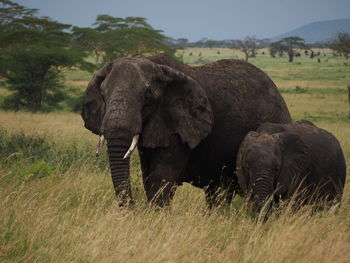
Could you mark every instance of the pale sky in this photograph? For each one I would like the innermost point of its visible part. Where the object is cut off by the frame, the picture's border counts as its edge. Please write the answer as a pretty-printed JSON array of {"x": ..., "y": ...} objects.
[{"x": 196, "y": 19}]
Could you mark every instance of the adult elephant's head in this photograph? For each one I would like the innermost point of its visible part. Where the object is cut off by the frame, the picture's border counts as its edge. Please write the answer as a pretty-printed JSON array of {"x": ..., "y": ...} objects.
[
  {"x": 133, "y": 98},
  {"x": 268, "y": 164}
]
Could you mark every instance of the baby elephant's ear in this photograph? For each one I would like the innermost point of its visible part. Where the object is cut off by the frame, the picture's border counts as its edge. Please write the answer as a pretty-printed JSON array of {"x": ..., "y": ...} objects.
[
  {"x": 242, "y": 176},
  {"x": 294, "y": 161},
  {"x": 242, "y": 180}
]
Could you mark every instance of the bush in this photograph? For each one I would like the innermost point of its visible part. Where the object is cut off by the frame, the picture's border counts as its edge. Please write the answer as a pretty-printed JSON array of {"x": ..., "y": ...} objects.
[
  {"x": 299, "y": 89},
  {"x": 39, "y": 169},
  {"x": 36, "y": 157}
]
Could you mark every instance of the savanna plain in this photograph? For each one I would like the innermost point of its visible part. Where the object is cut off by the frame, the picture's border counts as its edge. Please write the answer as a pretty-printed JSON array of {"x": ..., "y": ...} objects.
[{"x": 57, "y": 203}]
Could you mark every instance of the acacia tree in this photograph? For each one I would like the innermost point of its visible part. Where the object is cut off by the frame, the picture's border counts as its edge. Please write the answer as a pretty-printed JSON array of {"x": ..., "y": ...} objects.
[
  {"x": 10, "y": 11},
  {"x": 341, "y": 44},
  {"x": 114, "y": 37},
  {"x": 291, "y": 44},
  {"x": 248, "y": 46},
  {"x": 89, "y": 40},
  {"x": 33, "y": 52},
  {"x": 277, "y": 47}
]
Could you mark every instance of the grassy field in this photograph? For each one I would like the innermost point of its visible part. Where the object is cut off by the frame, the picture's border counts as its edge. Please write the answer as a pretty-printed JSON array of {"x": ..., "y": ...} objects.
[{"x": 57, "y": 203}]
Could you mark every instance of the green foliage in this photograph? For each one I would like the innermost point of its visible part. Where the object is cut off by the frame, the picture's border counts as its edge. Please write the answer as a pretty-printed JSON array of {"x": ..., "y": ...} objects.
[
  {"x": 38, "y": 170},
  {"x": 34, "y": 157},
  {"x": 34, "y": 50},
  {"x": 277, "y": 47},
  {"x": 89, "y": 40},
  {"x": 341, "y": 44},
  {"x": 115, "y": 37},
  {"x": 35, "y": 85},
  {"x": 106, "y": 23},
  {"x": 293, "y": 42},
  {"x": 75, "y": 100},
  {"x": 10, "y": 10}
]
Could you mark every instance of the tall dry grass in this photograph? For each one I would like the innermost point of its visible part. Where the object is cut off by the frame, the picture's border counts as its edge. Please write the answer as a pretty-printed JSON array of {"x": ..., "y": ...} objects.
[{"x": 70, "y": 215}]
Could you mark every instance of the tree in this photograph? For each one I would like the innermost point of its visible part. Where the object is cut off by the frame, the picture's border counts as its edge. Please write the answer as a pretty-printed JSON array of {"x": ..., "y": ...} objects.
[
  {"x": 277, "y": 47},
  {"x": 10, "y": 11},
  {"x": 89, "y": 40},
  {"x": 248, "y": 46},
  {"x": 115, "y": 37},
  {"x": 341, "y": 45},
  {"x": 291, "y": 44},
  {"x": 177, "y": 43},
  {"x": 287, "y": 44},
  {"x": 33, "y": 52},
  {"x": 312, "y": 55}
]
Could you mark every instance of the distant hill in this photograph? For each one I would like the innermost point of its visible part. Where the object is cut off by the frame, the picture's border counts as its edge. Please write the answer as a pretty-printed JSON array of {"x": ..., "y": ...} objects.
[{"x": 321, "y": 31}]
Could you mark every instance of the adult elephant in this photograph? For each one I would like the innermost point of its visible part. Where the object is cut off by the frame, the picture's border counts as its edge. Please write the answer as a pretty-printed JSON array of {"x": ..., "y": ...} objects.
[{"x": 188, "y": 122}]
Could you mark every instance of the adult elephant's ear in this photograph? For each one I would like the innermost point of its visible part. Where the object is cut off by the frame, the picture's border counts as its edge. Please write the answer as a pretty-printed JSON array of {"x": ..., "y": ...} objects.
[
  {"x": 184, "y": 109},
  {"x": 294, "y": 163},
  {"x": 93, "y": 108}
]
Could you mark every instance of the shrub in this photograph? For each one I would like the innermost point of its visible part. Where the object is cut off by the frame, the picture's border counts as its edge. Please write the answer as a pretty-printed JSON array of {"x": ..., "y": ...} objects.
[
  {"x": 299, "y": 89},
  {"x": 36, "y": 156}
]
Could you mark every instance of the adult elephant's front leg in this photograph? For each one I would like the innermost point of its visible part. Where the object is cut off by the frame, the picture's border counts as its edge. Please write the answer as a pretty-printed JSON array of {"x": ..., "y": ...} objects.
[{"x": 162, "y": 170}]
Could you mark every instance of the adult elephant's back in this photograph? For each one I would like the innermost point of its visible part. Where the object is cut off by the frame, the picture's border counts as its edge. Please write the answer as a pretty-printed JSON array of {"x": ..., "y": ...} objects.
[{"x": 240, "y": 92}]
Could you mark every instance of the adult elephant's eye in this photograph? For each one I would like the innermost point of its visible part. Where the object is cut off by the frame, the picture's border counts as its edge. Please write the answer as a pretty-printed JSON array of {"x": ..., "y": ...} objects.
[{"x": 151, "y": 95}]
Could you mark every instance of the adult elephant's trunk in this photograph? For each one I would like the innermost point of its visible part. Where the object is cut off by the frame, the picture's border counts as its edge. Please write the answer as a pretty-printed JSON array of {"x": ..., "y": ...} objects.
[{"x": 120, "y": 169}]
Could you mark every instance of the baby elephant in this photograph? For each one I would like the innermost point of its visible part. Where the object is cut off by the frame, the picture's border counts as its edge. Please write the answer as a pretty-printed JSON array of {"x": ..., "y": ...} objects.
[{"x": 279, "y": 160}]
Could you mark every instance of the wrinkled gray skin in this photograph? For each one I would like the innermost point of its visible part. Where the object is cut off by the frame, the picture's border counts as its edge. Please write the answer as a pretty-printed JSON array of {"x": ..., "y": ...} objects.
[
  {"x": 190, "y": 121},
  {"x": 282, "y": 159}
]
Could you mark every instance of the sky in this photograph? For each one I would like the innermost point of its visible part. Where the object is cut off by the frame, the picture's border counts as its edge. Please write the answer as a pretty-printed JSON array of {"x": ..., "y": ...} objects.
[{"x": 197, "y": 19}]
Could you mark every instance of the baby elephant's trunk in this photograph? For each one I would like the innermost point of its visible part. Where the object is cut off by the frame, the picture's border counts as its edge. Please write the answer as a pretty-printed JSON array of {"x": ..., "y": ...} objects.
[{"x": 262, "y": 190}]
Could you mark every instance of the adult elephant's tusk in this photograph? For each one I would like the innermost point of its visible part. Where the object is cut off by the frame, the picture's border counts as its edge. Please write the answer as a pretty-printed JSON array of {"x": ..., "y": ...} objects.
[
  {"x": 100, "y": 145},
  {"x": 132, "y": 146}
]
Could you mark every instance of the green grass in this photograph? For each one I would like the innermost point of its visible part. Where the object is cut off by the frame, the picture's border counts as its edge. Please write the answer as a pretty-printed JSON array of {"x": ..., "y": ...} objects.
[
  {"x": 57, "y": 202},
  {"x": 77, "y": 75},
  {"x": 331, "y": 72},
  {"x": 325, "y": 91}
]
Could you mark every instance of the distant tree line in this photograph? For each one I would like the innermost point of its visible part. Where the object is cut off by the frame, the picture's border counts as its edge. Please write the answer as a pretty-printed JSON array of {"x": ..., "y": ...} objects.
[
  {"x": 289, "y": 45},
  {"x": 209, "y": 43},
  {"x": 340, "y": 46}
]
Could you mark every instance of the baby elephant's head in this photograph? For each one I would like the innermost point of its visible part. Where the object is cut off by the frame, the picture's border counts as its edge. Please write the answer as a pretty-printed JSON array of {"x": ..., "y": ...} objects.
[{"x": 266, "y": 163}]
